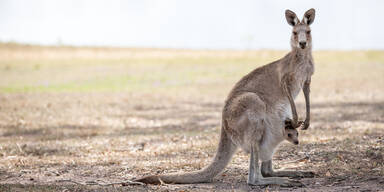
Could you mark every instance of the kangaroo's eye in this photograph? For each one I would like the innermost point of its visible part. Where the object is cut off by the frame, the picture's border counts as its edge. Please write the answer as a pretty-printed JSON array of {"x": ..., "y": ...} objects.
[
  {"x": 294, "y": 33},
  {"x": 297, "y": 134},
  {"x": 308, "y": 32},
  {"x": 289, "y": 135}
]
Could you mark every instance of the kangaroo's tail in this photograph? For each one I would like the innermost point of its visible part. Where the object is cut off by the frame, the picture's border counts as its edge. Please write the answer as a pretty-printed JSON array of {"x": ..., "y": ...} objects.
[{"x": 223, "y": 155}]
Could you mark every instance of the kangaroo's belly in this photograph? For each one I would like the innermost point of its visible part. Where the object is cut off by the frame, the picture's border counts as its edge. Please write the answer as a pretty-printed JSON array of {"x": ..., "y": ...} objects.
[
  {"x": 283, "y": 110},
  {"x": 301, "y": 75}
]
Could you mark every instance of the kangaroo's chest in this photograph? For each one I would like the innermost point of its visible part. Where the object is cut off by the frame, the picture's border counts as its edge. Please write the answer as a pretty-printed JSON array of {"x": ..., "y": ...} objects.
[
  {"x": 300, "y": 75},
  {"x": 297, "y": 85}
]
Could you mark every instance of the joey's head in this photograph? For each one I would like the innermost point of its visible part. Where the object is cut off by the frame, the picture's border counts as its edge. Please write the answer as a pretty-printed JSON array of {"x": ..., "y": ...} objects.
[
  {"x": 292, "y": 135},
  {"x": 301, "y": 38}
]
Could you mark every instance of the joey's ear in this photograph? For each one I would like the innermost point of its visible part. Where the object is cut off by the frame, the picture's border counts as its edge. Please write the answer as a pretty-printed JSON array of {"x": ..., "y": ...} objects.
[
  {"x": 291, "y": 17},
  {"x": 309, "y": 16}
]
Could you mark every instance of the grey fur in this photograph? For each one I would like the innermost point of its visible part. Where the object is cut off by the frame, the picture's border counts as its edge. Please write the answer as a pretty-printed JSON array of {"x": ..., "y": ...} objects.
[{"x": 255, "y": 112}]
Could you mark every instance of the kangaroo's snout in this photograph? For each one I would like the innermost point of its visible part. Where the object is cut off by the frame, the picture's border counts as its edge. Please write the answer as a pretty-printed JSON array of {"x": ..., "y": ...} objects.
[
  {"x": 296, "y": 142},
  {"x": 302, "y": 44}
]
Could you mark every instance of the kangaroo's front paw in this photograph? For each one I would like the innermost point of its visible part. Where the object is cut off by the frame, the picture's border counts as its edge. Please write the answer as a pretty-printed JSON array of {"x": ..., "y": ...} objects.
[{"x": 305, "y": 125}]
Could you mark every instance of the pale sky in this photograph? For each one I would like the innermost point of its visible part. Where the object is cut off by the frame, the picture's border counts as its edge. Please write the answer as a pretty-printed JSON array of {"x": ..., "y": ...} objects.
[{"x": 197, "y": 24}]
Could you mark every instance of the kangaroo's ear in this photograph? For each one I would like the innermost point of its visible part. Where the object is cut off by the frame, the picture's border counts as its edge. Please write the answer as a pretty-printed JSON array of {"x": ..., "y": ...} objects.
[
  {"x": 291, "y": 17},
  {"x": 309, "y": 16}
]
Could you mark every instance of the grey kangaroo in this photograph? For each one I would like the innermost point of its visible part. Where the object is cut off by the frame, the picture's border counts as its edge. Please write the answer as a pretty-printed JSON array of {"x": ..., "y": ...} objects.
[{"x": 259, "y": 113}]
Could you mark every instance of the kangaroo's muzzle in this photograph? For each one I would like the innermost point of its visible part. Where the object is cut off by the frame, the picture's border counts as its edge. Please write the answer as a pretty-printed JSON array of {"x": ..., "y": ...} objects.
[{"x": 302, "y": 44}]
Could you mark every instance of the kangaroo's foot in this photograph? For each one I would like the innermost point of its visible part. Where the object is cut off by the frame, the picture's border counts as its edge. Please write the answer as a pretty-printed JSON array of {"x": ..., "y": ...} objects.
[
  {"x": 255, "y": 177},
  {"x": 267, "y": 171},
  {"x": 281, "y": 181},
  {"x": 292, "y": 174}
]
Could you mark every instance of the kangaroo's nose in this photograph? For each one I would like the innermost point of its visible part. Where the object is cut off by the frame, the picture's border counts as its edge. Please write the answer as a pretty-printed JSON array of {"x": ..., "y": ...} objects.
[
  {"x": 296, "y": 142},
  {"x": 303, "y": 44}
]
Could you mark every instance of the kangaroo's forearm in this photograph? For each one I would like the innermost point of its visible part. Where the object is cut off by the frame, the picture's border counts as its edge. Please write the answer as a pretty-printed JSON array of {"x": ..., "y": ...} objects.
[
  {"x": 287, "y": 92},
  {"x": 306, "y": 90}
]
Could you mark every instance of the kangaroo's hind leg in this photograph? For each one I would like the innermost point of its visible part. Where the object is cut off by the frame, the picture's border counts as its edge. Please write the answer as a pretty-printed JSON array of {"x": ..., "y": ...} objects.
[
  {"x": 255, "y": 129},
  {"x": 255, "y": 177},
  {"x": 267, "y": 170}
]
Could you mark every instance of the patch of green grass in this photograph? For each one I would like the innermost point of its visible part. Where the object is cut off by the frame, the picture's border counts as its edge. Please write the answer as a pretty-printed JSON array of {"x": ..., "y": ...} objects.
[{"x": 69, "y": 69}]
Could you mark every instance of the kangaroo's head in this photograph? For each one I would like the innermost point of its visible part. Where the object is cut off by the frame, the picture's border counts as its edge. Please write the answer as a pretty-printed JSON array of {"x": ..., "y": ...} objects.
[
  {"x": 292, "y": 135},
  {"x": 301, "y": 34}
]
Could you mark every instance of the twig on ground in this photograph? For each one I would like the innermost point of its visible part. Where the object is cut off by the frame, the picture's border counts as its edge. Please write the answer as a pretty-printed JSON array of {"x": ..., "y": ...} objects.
[
  {"x": 162, "y": 182},
  {"x": 296, "y": 160},
  {"x": 69, "y": 180},
  {"x": 103, "y": 183},
  {"x": 20, "y": 149}
]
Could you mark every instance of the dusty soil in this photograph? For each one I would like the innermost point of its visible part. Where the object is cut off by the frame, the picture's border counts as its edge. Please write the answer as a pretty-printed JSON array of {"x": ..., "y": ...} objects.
[{"x": 110, "y": 137}]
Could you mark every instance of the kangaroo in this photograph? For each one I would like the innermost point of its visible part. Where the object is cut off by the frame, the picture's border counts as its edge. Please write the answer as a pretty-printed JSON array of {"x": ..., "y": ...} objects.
[
  {"x": 290, "y": 133},
  {"x": 257, "y": 112}
]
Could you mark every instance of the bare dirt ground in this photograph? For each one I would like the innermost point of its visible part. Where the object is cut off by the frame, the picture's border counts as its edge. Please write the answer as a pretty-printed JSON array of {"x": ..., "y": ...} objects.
[{"x": 59, "y": 134}]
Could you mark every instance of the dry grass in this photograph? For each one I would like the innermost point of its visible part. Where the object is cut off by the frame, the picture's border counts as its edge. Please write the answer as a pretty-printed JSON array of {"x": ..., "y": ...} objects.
[{"x": 114, "y": 114}]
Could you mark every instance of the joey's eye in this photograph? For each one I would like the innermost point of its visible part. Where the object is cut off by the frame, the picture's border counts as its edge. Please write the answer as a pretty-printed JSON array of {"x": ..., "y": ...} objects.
[
  {"x": 308, "y": 32},
  {"x": 289, "y": 135},
  {"x": 297, "y": 134},
  {"x": 294, "y": 33}
]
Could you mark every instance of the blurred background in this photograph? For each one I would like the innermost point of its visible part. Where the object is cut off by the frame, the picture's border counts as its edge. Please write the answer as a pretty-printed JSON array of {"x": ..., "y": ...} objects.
[
  {"x": 216, "y": 24},
  {"x": 97, "y": 90}
]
